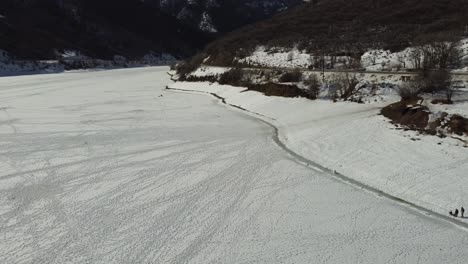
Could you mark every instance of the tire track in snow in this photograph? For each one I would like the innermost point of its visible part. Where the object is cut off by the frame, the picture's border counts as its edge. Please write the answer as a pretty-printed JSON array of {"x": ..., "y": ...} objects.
[{"x": 329, "y": 172}]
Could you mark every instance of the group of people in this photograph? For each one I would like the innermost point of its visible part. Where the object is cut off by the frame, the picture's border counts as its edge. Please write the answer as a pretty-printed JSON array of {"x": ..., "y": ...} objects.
[{"x": 455, "y": 214}]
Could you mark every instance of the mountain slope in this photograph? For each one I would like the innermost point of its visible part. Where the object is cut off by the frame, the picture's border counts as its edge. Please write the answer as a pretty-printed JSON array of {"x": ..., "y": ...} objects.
[
  {"x": 39, "y": 29},
  {"x": 223, "y": 15},
  {"x": 345, "y": 26}
]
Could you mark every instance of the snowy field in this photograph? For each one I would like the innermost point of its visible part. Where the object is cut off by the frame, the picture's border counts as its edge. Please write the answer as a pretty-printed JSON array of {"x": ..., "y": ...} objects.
[{"x": 108, "y": 167}]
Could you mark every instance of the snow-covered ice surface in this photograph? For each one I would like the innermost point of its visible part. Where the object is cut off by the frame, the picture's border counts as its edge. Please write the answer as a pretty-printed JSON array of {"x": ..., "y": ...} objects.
[
  {"x": 107, "y": 167},
  {"x": 354, "y": 140}
]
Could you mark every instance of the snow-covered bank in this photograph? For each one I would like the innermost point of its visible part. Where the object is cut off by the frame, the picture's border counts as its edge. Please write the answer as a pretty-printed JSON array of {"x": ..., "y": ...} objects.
[
  {"x": 357, "y": 142},
  {"x": 372, "y": 60},
  {"x": 12, "y": 68},
  {"x": 73, "y": 60}
]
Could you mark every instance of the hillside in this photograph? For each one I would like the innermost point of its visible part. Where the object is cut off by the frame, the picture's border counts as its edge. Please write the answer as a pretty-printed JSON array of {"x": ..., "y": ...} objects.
[
  {"x": 39, "y": 29},
  {"x": 221, "y": 16},
  {"x": 348, "y": 27}
]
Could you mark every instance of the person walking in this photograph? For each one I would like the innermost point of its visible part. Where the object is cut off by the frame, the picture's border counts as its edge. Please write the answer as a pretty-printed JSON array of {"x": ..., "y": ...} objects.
[
  {"x": 463, "y": 212},
  {"x": 456, "y": 213}
]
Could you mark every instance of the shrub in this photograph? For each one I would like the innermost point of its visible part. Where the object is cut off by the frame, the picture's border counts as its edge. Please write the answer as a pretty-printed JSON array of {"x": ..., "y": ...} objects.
[
  {"x": 435, "y": 80},
  {"x": 232, "y": 77},
  {"x": 208, "y": 78},
  {"x": 458, "y": 125},
  {"x": 275, "y": 89},
  {"x": 293, "y": 76},
  {"x": 184, "y": 68},
  {"x": 411, "y": 90}
]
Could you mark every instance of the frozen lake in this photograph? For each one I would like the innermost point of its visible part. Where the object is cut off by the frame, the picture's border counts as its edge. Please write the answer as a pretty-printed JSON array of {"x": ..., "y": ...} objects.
[{"x": 107, "y": 167}]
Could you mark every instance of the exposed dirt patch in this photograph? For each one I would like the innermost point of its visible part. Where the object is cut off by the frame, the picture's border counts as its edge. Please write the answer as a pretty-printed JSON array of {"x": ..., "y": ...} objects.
[
  {"x": 417, "y": 117},
  {"x": 457, "y": 124},
  {"x": 413, "y": 116}
]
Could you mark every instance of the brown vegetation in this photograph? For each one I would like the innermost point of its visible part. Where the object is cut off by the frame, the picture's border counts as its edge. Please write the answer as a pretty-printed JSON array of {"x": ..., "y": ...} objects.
[
  {"x": 184, "y": 68},
  {"x": 293, "y": 76},
  {"x": 416, "y": 117},
  {"x": 234, "y": 77},
  {"x": 275, "y": 89},
  {"x": 457, "y": 125}
]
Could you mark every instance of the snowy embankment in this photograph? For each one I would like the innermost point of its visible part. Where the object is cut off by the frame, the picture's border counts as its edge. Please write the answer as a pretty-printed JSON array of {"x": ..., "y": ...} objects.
[
  {"x": 459, "y": 107},
  {"x": 25, "y": 68},
  {"x": 356, "y": 141},
  {"x": 74, "y": 60},
  {"x": 372, "y": 60},
  {"x": 278, "y": 58}
]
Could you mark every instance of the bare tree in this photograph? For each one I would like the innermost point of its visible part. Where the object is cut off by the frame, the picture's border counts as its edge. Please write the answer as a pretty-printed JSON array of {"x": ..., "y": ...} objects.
[
  {"x": 343, "y": 86},
  {"x": 440, "y": 82},
  {"x": 402, "y": 60},
  {"x": 313, "y": 86},
  {"x": 449, "y": 91},
  {"x": 437, "y": 51},
  {"x": 436, "y": 81},
  {"x": 416, "y": 58},
  {"x": 434, "y": 55}
]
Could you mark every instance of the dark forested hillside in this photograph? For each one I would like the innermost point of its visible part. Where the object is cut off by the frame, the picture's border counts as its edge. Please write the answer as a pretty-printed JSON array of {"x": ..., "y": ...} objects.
[
  {"x": 223, "y": 15},
  {"x": 38, "y": 29},
  {"x": 347, "y": 26}
]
